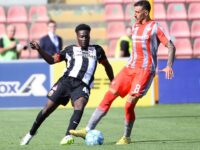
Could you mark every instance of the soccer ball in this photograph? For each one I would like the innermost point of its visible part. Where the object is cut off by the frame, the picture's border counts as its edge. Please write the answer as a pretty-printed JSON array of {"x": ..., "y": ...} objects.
[{"x": 94, "y": 137}]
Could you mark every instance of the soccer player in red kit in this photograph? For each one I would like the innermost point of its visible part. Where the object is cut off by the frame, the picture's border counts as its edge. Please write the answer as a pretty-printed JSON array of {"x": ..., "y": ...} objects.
[{"x": 136, "y": 77}]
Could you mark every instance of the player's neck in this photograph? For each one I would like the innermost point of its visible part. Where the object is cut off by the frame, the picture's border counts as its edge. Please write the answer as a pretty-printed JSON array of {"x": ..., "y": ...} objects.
[{"x": 146, "y": 20}]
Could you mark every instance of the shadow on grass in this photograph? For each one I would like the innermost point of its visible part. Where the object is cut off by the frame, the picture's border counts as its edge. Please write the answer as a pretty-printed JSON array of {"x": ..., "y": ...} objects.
[
  {"x": 169, "y": 141},
  {"x": 164, "y": 117}
]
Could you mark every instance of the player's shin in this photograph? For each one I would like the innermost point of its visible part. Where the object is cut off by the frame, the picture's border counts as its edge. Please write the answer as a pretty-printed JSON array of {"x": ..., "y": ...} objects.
[
  {"x": 101, "y": 110},
  {"x": 40, "y": 118},
  {"x": 129, "y": 118},
  {"x": 74, "y": 121}
]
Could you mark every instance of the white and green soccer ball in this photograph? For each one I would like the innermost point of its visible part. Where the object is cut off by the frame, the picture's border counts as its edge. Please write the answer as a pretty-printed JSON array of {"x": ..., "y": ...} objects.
[{"x": 94, "y": 137}]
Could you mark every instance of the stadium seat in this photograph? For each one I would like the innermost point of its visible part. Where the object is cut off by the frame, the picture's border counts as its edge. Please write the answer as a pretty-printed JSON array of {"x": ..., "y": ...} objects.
[
  {"x": 129, "y": 11},
  {"x": 159, "y": 11},
  {"x": 17, "y": 14},
  {"x": 194, "y": 11},
  {"x": 176, "y": 11},
  {"x": 114, "y": 12},
  {"x": 179, "y": 29},
  {"x": 127, "y": 1},
  {"x": 164, "y": 25},
  {"x": 21, "y": 31},
  {"x": 174, "y": 1},
  {"x": 189, "y": 1},
  {"x": 159, "y": 1},
  {"x": 24, "y": 54},
  {"x": 183, "y": 48},
  {"x": 162, "y": 52},
  {"x": 196, "y": 48},
  {"x": 34, "y": 54},
  {"x": 38, "y": 14},
  {"x": 111, "y": 48},
  {"x": 195, "y": 29},
  {"x": 83, "y": 2},
  {"x": 37, "y": 30},
  {"x": 2, "y": 15},
  {"x": 112, "y": 1},
  {"x": 2, "y": 29},
  {"x": 115, "y": 30}
]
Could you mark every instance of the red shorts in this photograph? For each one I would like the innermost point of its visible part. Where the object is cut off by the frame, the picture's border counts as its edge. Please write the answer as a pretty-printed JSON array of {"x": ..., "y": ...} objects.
[{"x": 135, "y": 81}]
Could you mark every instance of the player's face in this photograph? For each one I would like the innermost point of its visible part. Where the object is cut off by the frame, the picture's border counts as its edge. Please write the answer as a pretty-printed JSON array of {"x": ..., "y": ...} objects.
[
  {"x": 140, "y": 14},
  {"x": 83, "y": 37}
]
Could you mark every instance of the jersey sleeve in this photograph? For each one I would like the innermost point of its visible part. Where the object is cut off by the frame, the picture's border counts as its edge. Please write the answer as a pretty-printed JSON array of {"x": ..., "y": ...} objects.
[
  {"x": 162, "y": 35},
  {"x": 101, "y": 56},
  {"x": 63, "y": 53}
]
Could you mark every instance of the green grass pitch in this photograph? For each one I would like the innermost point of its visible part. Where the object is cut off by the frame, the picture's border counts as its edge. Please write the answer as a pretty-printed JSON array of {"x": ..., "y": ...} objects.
[{"x": 161, "y": 127}]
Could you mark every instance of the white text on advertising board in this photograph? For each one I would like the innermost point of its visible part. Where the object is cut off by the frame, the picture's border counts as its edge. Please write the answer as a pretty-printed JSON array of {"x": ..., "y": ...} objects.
[{"x": 32, "y": 86}]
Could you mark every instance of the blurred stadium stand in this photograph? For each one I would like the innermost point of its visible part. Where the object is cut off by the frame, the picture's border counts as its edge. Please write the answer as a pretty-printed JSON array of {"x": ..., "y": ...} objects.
[
  {"x": 114, "y": 12},
  {"x": 108, "y": 19},
  {"x": 176, "y": 11},
  {"x": 2, "y": 15},
  {"x": 17, "y": 14},
  {"x": 179, "y": 29},
  {"x": 196, "y": 48},
  {"x": 2, "y": 28},
  {"x": 37, "y": 30},
  {"x": 159, "y": 7},
  {"x": 194, "y": 11},
  {"x": 183, "y": 48},
  {"x": 38, "y": 14}
]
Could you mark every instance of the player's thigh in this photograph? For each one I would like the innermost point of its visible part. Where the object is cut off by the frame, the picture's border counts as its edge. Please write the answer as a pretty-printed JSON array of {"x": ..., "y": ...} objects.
[
  {"x": 80, "y": 94},
  {"x": 122, "y": 82},
  {"x": 141, "y": 83},
  {"x": 60, "y": 92}
]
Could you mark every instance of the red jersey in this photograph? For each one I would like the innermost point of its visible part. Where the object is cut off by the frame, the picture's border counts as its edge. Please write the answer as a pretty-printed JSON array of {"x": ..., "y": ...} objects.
[{"x": 145, "y": 41}]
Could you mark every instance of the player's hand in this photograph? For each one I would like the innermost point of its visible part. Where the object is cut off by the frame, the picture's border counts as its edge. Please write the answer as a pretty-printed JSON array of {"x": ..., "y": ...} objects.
[
  {"x": 34, "y": 45},
  {"x": 169, "y": 74}
]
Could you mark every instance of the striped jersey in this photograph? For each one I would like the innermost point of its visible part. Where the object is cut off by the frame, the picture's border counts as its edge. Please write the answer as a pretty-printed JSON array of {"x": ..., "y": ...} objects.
[
  {"x": 82, "y": 63},
  {"x": 145, "y": 41}
]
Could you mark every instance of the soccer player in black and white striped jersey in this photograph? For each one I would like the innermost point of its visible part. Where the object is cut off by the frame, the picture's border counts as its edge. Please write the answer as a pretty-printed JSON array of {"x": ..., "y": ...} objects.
[{"x": 75, "y": 84}]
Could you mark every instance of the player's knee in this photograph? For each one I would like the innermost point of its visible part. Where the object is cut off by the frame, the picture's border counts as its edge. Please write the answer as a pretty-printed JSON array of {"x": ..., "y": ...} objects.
[
  {"x": 133, "y": 98},
  {"x": 79, "y": 104}
]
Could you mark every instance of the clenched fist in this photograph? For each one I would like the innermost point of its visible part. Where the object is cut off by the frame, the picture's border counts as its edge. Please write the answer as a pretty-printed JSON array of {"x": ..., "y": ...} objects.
[{"x": 34, "y": 45}]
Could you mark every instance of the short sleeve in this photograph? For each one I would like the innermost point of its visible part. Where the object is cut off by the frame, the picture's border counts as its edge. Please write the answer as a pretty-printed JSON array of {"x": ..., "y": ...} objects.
[
  {"x": 63, "y": 53},
  {"x": 162, "y": 35}
]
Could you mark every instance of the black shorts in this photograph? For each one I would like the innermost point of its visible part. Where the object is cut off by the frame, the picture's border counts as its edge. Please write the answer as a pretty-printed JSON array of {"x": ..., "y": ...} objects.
[{"x": 67, "y": 88}]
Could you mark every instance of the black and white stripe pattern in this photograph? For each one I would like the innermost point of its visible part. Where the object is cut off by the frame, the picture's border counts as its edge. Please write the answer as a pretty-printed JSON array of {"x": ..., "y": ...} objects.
[{"x": 82, "y": 63}]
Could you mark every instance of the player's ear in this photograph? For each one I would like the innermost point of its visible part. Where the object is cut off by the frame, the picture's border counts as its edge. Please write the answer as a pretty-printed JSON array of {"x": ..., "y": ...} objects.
[{"x": 146, "y": 12}]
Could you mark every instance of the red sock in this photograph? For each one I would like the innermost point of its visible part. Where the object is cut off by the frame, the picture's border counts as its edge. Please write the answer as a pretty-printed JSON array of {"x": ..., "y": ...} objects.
[
  {"x": 129, "y": 112},
  {"x": 107, "y": 101}
]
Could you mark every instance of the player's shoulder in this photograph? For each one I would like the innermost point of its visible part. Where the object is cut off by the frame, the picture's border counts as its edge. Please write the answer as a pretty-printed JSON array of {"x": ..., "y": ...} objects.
[
  {"x": 97, "y": 47},
  {"x": 69, "y": 47}
]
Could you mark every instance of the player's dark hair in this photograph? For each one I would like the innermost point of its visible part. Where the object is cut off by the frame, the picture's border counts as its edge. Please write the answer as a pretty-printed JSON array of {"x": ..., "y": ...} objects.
[
  {"x": 145, "y": 4},
  {"x": 82, "y": 27},
  {"x": 51, "y": 21}
]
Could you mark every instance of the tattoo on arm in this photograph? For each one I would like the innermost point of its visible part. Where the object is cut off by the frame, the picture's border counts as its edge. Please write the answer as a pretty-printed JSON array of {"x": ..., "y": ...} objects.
[{"x": 171, "y": 53}]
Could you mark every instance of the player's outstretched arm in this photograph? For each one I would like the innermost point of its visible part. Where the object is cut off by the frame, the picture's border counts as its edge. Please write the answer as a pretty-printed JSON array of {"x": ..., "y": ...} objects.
[
  {"x": 171, "y": 55},
  {"x": 48, "y": 58},
  {"x": 108, "y": 69}
]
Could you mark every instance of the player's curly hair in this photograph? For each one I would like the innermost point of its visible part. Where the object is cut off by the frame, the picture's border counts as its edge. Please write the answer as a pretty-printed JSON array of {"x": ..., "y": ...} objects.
[{"x": 82, "y": 27}]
